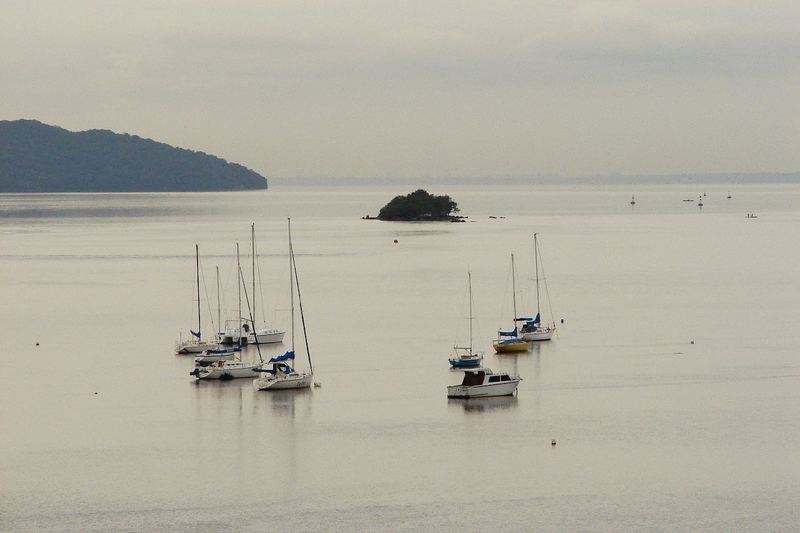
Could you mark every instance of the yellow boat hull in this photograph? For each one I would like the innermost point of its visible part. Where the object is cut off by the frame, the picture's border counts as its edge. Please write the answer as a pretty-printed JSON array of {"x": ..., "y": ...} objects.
[{"x": 511, "y": 348}]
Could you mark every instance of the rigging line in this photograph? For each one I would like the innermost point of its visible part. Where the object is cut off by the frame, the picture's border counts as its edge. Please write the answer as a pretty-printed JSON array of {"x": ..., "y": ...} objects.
[
  {"x": 546, "y": 289},
  {"x": 261, "y": 291},
  {"x": 208, "y": 300},
  {"x": 300, "y": 301},
  {"x": 249, "y": 310},
  {"x": 503, "y": 306}
]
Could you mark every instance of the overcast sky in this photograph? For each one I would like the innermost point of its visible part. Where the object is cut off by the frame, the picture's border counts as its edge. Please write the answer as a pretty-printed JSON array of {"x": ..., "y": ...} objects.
[{"x": 421, "y": 88}]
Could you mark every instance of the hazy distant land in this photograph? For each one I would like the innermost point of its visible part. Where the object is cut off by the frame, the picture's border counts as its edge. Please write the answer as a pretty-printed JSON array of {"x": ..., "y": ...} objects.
[{"x": 36, "y": 157}]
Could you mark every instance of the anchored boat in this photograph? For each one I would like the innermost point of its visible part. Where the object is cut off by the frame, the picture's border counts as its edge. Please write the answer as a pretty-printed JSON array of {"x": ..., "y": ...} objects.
[{"x": 484, "y": 383}]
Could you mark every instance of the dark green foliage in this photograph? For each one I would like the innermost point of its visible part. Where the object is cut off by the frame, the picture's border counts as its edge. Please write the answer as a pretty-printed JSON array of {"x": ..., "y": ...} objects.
[
  {"x": 419, "y": 205},
  {"x": 35, "y": 157}
]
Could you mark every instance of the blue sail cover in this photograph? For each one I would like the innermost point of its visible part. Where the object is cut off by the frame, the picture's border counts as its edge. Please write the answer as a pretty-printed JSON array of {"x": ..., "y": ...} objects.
[
  {"x": 523, "y": 319},
  {"x": 508, "y": 333},
  {"x": 537, "y": 319},
  {"x": 195, "y": 333},
  {"x": 285, "y": 357}
]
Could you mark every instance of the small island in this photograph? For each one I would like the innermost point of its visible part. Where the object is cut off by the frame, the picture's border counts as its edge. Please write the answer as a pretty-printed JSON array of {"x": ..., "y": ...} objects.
[{"x": 420, "y": 205}]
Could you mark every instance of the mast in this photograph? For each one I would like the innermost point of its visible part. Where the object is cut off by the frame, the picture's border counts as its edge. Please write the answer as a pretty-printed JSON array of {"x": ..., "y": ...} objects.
[
  {"x": 291, "y": 282},
  {"x": 469, "y": 282},
  {"x": 219, "y": 324},
  {"x": 197, "y": 276},
  {"x": 239, "y": 290},
  {"x": 253, "y": 239},
  {"x": 514, "y": 289},
  {"x": 299, "y": 301},
  {"x": 536, "y": 262}
]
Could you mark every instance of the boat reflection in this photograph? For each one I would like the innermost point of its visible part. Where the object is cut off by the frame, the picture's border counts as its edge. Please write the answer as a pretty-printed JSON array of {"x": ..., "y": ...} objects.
[
  {"x": 481, "y": 405},
  {"x": 285, "y": 402}
]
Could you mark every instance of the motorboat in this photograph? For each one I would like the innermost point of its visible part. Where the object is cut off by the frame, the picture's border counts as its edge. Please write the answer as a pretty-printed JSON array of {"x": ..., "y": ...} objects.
[
  {"x": 266, "y": 336},
  {"x": 483, "y": 383}
]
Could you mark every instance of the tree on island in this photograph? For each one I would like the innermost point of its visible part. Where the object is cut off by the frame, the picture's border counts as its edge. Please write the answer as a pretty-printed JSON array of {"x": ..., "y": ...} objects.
[{"x": 419, "y": 205}]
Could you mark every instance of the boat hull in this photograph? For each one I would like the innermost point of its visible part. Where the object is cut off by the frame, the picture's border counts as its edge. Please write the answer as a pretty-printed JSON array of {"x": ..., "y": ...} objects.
[
  {"x": 465, "y": 363},
  {"x": 194, "y": 347},
  {"x": 266, "y": 337},
  {"x": 540, "y": 335},
  {"x": 227, "y": 371},
  {"x": 511, "y": 347},
  {"x": 487, "y": 390},
  {"x": 298, "y": 381}
]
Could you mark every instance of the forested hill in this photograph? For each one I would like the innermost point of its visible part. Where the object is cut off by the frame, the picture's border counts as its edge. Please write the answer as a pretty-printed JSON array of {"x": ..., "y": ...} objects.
[{"x": 36, "y": 157}]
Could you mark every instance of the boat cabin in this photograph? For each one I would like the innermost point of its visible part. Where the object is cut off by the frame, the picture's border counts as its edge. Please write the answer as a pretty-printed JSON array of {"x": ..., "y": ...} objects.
[{"x": 479, "y": 377}]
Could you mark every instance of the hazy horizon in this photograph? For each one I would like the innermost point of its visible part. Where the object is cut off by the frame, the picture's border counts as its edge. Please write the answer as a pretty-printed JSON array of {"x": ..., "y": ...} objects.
[{"x": 377, "y": 89}]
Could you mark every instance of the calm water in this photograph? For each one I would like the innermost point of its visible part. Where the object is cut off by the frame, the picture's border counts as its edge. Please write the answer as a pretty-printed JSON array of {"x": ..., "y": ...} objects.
[{"x": 654, "y": 433}]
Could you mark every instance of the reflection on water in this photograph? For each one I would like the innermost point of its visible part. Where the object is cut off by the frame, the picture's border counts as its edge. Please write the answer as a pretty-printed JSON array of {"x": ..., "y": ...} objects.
[
  {"x": 483, "y": 405},
  {"x": 286, "y": 402}
]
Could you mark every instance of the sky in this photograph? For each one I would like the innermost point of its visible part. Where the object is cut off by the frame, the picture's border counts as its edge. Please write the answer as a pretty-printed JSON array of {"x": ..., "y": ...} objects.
[{"x": 421, "y": 88}]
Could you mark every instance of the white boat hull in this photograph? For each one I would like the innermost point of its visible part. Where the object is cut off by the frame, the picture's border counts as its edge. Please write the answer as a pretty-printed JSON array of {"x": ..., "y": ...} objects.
[
  {"x": 539, "y": 335},
  {"x": 270, "y": 336},
  {"x": 227, "y": 371},
  {"x": 503, "y": 388},
  {"x": 194, "y": 347},
  {"x": 213, "y": 358},
  {"x": 290, "y": 381}
]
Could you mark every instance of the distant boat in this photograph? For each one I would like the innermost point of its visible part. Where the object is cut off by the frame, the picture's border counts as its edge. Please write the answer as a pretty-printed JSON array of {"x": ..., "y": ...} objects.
[
  {"x": 729, "y": 195},
  {"x": 700, "y": 202},
  {"x": 195, "y": 344},
  {"x": 283, "y": 375},
  {"x": 510, "y": 341},
  {"x": 464, "y": 357},
  {"x": 533, "y": 330},
  {"x": 633, "y": 200},
  {"x": 484, "y": 383}
]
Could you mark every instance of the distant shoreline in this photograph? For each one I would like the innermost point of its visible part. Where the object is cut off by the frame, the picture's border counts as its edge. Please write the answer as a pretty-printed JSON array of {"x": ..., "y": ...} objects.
[{"x": 776, "y": 178}]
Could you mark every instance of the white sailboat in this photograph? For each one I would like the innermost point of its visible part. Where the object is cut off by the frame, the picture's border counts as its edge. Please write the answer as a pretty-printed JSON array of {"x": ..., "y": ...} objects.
[
  {"x": 235, "y": 331},
  {"x": 465, "y": 356},
  {"x": 195, "y": 344},
  {"x": 283, "y": 375},
  {"x": 264, "y": 334},
  {"x": 533, "y": 329},
  {"x": 230, "y": 369},
  {"x": 510, "y": 341}
]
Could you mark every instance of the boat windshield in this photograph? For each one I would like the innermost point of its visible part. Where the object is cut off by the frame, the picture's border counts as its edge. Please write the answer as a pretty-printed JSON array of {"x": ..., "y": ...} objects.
[{"x": 473, "y": 378}]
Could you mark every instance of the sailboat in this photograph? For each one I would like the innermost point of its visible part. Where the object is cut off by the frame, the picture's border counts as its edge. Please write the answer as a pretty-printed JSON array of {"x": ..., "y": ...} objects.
[
  {"x": 230, "y": 369},
  {"x": 234, "y": 328},
  {"x": 533, "y": 330},
  {"x": 510, "y": 341},
  {"x": 195, "y": 344},
  {"x": 464, "y": 356},
  {"x": 283, "y": 375},
  {"x": 264, "y": 335}
]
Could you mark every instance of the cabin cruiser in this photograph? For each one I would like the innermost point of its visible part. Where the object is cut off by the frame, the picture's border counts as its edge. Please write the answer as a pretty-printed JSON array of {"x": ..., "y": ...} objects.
[{"x": 483, "y": 383}]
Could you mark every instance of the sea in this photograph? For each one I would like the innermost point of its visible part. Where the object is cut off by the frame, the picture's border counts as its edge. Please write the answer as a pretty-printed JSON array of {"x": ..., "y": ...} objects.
[{"x": 668, "y": 400}]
